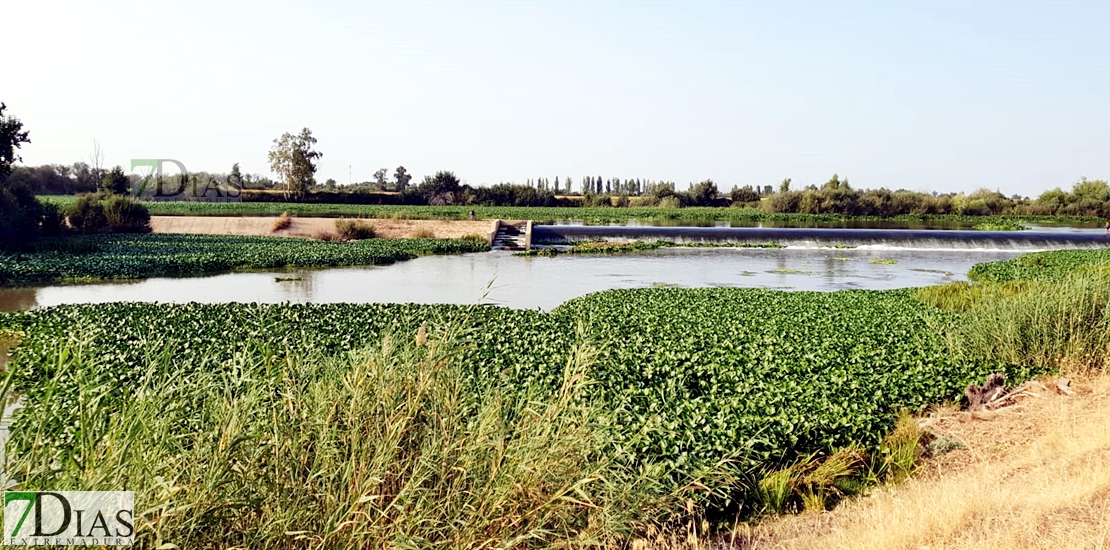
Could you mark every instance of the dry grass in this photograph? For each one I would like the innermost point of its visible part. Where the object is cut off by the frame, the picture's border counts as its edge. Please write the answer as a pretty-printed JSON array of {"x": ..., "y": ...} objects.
[
  {"x": 354, "y": 230},
  {"x": 1034, "y": 475},
  {"x": 282, "y": 222}
]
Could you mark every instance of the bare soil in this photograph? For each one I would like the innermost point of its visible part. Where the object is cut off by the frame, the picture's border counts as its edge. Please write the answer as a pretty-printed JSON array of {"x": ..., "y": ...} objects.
[
  {"x": 1035, "y": 474},
  {"x": 314, "y": 227}
]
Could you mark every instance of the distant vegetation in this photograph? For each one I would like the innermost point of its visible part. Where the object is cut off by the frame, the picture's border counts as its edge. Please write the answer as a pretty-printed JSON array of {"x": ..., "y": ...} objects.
[
  {"x": 24, "y": 220},
  {"x": 294, "y": 158},
  {"x": 606, "y": 247},
  {"x": 1087, "y": 198},
  {"x": 1000, "y": 225},
  {"x": 598, "y": 215}
]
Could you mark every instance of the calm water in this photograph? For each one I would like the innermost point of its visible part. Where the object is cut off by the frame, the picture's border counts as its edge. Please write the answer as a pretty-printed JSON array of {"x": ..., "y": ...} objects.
[{"x": 536, "y": 282}]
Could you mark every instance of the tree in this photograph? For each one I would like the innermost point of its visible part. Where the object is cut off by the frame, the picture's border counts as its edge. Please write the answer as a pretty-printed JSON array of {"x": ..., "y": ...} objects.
[
  {"x": 97, "y": 159},
  {"x": 743, "y": 194},
  {"x": 330, "y": 183},
  {"x": 294, "y": 160},
  {"x": 703, "y": 193},
  {"x": 568, "y": 184},
  {"x": 235, "y": 177},
  {"x": 115, "y": 182},
  {"x": 379, "y": 178},
  {"x": 12, "y": 136},
  {"x": 441, "y": 189},
  {"x": 401, "y": 178},
  {"x": 20, "y": 213},
  {"x": 784, "y": 186}
]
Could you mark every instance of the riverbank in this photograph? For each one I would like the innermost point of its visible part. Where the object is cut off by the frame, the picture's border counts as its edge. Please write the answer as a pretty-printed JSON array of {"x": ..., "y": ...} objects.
[
  {"x": 314, "y": 227},
  {"x": 592, "y": 215},
  {"x": 1032, "y": 475}
]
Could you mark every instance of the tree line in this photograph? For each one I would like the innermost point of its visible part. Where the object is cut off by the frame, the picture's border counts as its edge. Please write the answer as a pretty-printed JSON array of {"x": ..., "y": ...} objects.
[
  {"x": 23, "y": 219},
  {"x": 294, "y": 159}
]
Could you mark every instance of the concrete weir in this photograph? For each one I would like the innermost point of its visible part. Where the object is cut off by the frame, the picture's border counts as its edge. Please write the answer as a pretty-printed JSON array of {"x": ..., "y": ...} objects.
[{"x": 808, "y": 237}]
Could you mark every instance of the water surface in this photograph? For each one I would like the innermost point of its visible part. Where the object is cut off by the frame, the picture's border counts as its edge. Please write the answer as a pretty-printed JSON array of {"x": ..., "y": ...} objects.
[{"x": 538, "y": 282}]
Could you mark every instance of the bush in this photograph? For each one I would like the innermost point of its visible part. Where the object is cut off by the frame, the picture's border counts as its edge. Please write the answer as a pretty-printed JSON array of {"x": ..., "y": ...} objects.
[
  {"x": 671, "y": 201},
  {"x": 126, "y": 216},
  {"x": 52, "y": 219},
  {"x": 353, "y": 230},
  {"x": 592, "y": 200},
  {"x": 116, "y": 214},
  {"x": 20, "y": 217},
  {"x": 86, "y": 215}
]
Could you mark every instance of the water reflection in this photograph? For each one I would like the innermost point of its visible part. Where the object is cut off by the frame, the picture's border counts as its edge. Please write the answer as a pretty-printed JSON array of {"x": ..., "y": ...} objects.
[
  {"x": 529, "y": 283},
  {"x": 17, "y": 299}
]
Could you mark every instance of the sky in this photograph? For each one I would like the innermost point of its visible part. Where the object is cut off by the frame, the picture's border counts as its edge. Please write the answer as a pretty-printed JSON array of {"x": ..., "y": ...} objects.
[{"x": 932, "y": 96}]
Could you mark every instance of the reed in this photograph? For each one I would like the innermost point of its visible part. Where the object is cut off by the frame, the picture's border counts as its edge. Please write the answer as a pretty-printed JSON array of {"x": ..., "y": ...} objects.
[{"x": 391, "y": 447}]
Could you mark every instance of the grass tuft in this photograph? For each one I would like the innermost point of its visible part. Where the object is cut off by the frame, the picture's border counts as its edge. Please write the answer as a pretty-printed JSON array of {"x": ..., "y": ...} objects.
[
  {"x": 282, "y": 222},
  {"x": 354, "y": 230}
]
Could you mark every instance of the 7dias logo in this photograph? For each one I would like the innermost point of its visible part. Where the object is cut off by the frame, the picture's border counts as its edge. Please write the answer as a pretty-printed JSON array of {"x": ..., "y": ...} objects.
[
  {"x": 155, "y": 185},
  {"x": 69, "y": 518}
]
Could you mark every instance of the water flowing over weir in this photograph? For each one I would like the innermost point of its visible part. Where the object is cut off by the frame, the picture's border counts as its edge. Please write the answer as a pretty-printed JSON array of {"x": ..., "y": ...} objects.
[{"x": 816, "y": 238}]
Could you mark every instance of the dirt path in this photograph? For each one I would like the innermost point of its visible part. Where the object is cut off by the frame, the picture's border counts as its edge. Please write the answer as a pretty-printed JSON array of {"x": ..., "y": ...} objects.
[
  {"x": 1032, "y": 475},
  {"x": 313, "y": 227}
]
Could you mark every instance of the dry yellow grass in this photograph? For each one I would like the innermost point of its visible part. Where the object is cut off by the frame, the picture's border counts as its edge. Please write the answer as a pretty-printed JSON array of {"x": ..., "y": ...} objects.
[{"x": 1034, "y": 475}]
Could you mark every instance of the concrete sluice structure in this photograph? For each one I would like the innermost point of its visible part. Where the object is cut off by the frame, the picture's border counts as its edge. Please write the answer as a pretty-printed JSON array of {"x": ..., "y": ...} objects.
[{"x": 828, "y": 238}]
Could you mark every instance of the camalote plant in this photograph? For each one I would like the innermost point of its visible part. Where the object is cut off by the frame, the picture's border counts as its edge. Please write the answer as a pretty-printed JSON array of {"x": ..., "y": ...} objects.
[
  {"x": 705, "y": 388},
  {"x": 97, "y": 257}
]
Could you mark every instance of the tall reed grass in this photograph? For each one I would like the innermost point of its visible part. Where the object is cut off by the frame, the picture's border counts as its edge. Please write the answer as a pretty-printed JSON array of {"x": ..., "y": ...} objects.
[
  {"x": 1062, "y": 323},
  {"x": 393, "y": 447}
]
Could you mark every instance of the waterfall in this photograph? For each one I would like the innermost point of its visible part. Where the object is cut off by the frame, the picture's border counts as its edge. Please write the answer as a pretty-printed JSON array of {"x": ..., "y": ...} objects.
[{"x": 827, "y": 238}]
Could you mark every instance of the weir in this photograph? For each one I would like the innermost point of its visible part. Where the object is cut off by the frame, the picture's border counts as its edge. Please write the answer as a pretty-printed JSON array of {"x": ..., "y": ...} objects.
[{"x": 814, "y": 238}]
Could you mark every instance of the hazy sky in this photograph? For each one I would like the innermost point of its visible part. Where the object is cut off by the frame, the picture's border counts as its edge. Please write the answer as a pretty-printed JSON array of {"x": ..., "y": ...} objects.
[{"x": 943, "y": 95}]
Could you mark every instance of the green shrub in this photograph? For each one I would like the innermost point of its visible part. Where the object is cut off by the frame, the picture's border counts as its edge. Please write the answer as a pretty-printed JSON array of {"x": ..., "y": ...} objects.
[
  {"x": 87, "y": 215},
  {"x": 670, "y": 202},
  {"x": 20, "y": 217},
  {"x": 124, "y": 215},
  {"x": 107, "y": 214}
]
